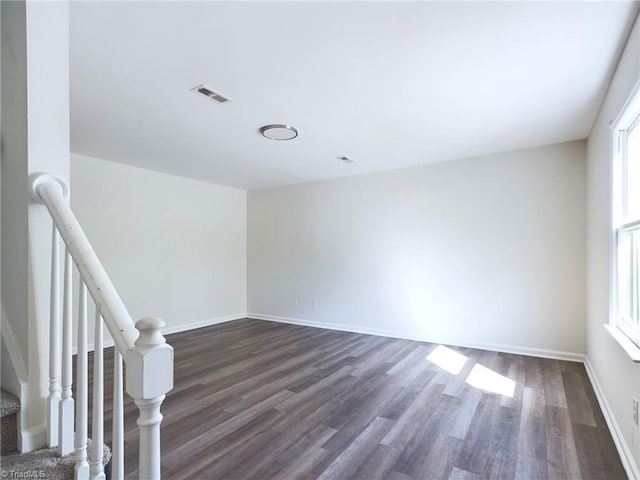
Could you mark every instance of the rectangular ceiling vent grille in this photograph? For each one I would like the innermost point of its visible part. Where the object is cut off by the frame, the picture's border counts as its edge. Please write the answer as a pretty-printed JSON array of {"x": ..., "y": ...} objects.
[{"x": 211, "y": 94}]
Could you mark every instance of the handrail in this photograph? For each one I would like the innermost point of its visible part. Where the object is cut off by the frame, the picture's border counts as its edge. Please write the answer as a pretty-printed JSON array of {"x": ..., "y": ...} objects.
[
  {"x": 53, "y": 192},
  {"x": 147, "y": 357}
]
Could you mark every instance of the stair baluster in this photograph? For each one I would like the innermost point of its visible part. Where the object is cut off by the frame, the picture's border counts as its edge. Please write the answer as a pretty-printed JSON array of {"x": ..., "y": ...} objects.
[
  {"x": 117, "y": 446},
  {"x": 53, "y": 399},
  {"x": 66, "y": 410},
  {"x": 82, "y": 466},
  {"x": 97, "y": 420}
]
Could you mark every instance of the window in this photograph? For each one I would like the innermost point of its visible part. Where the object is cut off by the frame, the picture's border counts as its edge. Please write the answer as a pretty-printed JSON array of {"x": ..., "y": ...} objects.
[{"x": 626, "y": 219}]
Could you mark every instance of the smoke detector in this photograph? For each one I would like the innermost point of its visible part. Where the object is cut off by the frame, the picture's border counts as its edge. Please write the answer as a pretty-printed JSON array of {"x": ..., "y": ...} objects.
[{"x": 211, "y": 94}]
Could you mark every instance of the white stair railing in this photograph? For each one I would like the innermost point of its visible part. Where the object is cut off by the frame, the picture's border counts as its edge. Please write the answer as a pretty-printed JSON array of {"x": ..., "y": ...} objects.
[{"x": 147, "y": 358}]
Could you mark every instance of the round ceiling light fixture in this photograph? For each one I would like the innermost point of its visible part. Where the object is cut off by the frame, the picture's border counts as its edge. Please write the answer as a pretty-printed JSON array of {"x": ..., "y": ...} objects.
[{"x": 279, "y": 132}]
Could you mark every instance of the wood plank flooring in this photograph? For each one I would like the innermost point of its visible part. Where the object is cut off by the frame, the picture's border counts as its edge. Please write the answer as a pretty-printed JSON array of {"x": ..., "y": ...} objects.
[{"x": 262, "y": 400}]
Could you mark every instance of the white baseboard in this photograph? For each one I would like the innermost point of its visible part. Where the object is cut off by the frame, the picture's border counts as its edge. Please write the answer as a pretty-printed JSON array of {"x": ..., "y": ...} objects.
[
  {"x": 176, "y": 329},
  {"x": 32, "y": 439},
  {"x": 532, "y": 352},
  {"x": 29, "y": 439},
  {"x": 528, "y": 351},
  {"x": 91, "y": 346},
  {"x": 203, "y": 323},
  {"x": 626, "y": 456}
]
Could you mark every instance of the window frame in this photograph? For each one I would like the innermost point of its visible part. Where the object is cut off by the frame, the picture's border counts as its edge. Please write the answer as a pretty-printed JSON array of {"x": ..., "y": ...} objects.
[{"x": 627, "y": 120}]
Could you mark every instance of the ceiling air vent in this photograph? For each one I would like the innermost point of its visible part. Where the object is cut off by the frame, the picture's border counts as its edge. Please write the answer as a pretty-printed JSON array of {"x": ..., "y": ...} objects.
[{"x": 211, "y": 94}]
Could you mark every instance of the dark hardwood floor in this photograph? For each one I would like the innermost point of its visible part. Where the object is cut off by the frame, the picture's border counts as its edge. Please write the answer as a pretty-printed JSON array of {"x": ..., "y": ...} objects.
[{"x": 262, "y": 400}]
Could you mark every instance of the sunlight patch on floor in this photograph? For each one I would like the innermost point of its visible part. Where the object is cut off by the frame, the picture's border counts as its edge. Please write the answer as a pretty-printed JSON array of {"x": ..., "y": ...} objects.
[
  {"x": 480, "y": 377},
  {"x": 486, "y": 379},
  {"x": 447, "y": 359}
]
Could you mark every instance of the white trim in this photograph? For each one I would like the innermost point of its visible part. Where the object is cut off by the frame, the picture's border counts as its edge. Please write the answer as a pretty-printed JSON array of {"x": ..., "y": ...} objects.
[
  {"x": 91, "y": 346},
  {"x": 203, "y": 323},
  {"x": 28, "y": 439},
  {"x": 527, "y": 351},
  {"x": 177, "y": 328},
  {"x": 626, "y": 119},
  {"x": 624, "y": 116},
  {"x": 630, "y": 227},
  {"x": 519, "y": 350},
  {"x": 626, "y": 456},
  {"x": 32, "y": 439},
  {"x": 625, "y": 342}
]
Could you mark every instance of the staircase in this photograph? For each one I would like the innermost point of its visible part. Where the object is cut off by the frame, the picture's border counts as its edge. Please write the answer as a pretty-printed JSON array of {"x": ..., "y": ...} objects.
[
  {"x": 45, "y": 463},
  {"x": 142, "y": 368}
]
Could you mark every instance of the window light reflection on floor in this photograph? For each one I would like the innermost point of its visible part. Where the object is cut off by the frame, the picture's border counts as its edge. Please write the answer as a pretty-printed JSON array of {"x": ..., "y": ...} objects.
[
  {"x": 447, "y": 359},
  {"x": 486, "y": 379},
  {"x": 481, "y": 377}
]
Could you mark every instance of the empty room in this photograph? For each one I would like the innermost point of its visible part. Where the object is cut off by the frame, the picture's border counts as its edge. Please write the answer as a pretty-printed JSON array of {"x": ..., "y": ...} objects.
[{"x": 320, "y": 240}]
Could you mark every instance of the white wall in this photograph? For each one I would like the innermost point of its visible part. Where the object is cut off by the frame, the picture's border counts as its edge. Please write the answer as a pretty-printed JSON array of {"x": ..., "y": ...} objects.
[
  {"x": 14, "y": 173},
  {"x": 35, "y": 138},
  {"x": 484, "y": 251},
  {"x": 617, "y": 375},
  {"x": 175, "y": 248}
]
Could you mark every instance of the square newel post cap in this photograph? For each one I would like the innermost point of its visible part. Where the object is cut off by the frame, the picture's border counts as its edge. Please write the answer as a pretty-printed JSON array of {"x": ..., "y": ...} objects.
[{"x": 150, "y": 362}]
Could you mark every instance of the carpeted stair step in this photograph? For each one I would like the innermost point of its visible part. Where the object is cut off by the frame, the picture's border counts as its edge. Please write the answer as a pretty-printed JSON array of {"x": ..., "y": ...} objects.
[
  {"x": 44, "y": 463},
  {"x": 9, "y": 408}
]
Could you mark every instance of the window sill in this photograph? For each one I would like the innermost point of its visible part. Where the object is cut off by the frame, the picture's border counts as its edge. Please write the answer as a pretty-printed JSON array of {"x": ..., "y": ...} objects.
[{"x": 627, "y": 345}]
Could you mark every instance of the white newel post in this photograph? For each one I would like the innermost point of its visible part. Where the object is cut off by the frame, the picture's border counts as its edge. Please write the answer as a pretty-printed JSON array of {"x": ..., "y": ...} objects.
[{"x": 149, "y": 377}]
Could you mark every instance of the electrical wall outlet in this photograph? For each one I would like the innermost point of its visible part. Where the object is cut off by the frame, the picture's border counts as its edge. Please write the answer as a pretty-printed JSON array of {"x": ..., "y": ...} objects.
[
  {"x": 314, "y": 304},
  {"x": 635, "y": 411}
]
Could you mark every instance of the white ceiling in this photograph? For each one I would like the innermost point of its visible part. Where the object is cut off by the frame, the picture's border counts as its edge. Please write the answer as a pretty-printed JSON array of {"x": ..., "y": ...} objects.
[{"x": 389, "y": 84}]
